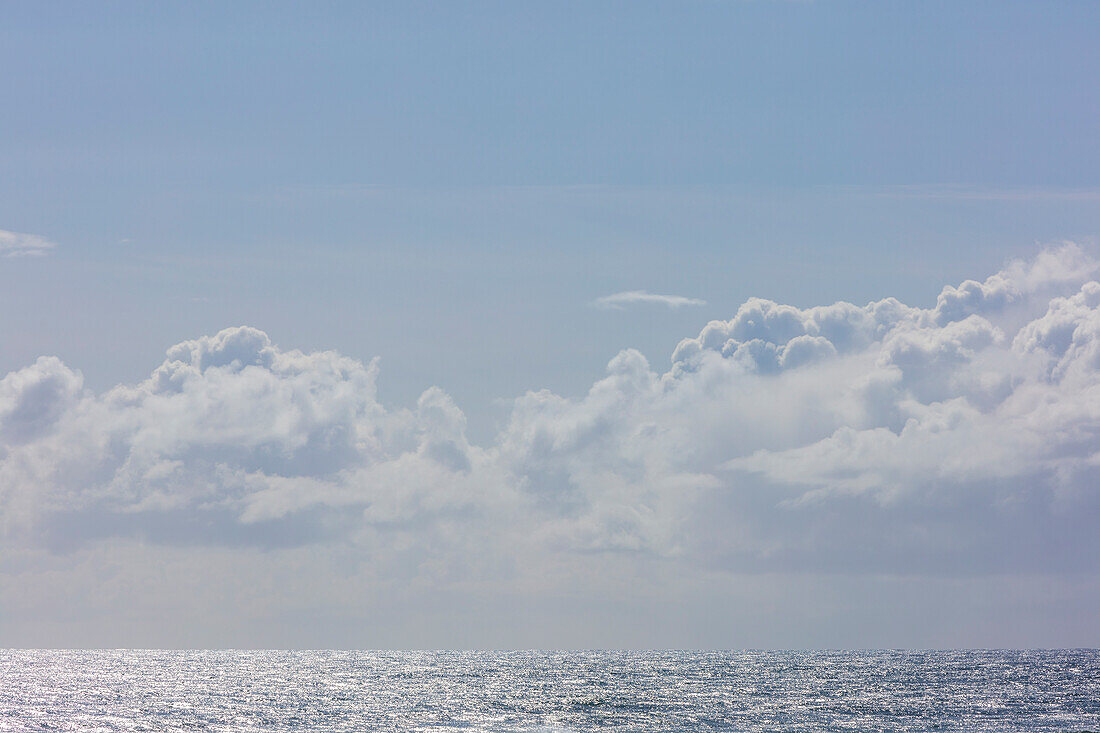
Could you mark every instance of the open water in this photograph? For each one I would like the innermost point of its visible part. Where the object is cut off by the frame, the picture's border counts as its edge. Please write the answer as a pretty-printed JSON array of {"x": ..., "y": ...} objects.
[{"x": 123, "y": 690}]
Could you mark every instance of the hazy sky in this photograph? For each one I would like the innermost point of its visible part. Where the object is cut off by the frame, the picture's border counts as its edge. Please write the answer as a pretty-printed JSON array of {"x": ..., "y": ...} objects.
[{"x": 531, "y": 324}]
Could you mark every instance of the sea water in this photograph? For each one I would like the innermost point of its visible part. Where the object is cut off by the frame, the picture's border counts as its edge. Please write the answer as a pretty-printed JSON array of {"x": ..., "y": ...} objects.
[{"x": 120, "y": 690}]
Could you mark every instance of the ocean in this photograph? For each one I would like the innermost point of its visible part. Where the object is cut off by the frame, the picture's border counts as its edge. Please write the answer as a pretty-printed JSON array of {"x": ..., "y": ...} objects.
[{"x": 146, "y": 690}]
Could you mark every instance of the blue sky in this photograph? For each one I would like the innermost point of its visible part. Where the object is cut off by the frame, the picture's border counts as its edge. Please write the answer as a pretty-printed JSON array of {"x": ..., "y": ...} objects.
[
  {"x": 342, "y": 174},
  {"x": 453, "y": 187}
]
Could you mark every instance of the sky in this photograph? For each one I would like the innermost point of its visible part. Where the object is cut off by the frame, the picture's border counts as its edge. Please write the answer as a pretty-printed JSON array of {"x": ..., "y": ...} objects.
[{"x": 708, "y": 324}]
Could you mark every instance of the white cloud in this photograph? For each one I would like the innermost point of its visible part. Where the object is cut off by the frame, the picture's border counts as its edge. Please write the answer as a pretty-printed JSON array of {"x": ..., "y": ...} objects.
[
  {"x": 16, "y": 244},
  {"x": 851, "y": 439},
  {"x": 618, "y": 301}
]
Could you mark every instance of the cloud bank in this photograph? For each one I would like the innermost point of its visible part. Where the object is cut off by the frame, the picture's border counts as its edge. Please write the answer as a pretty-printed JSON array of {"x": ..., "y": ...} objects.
[
  {"x": 960, "y": 439},
  {"x": 16, "y": 244},
  {"x": 619, "y": 301}
]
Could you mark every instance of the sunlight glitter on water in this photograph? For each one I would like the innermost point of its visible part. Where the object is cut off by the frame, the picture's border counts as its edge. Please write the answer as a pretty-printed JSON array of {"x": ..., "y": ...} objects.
[{"x": 119, "y": 690}]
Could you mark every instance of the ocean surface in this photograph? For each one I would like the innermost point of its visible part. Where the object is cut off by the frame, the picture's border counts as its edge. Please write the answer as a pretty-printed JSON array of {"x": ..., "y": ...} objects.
[{"x": 549, "y": 691}]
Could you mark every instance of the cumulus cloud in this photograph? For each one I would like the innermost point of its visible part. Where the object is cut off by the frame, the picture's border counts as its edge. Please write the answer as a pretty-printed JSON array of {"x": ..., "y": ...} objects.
[
  {"x": 619, "y": 301},
  {"x": 885, "y": 437},
  {"x": 16, "y": 244}
]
